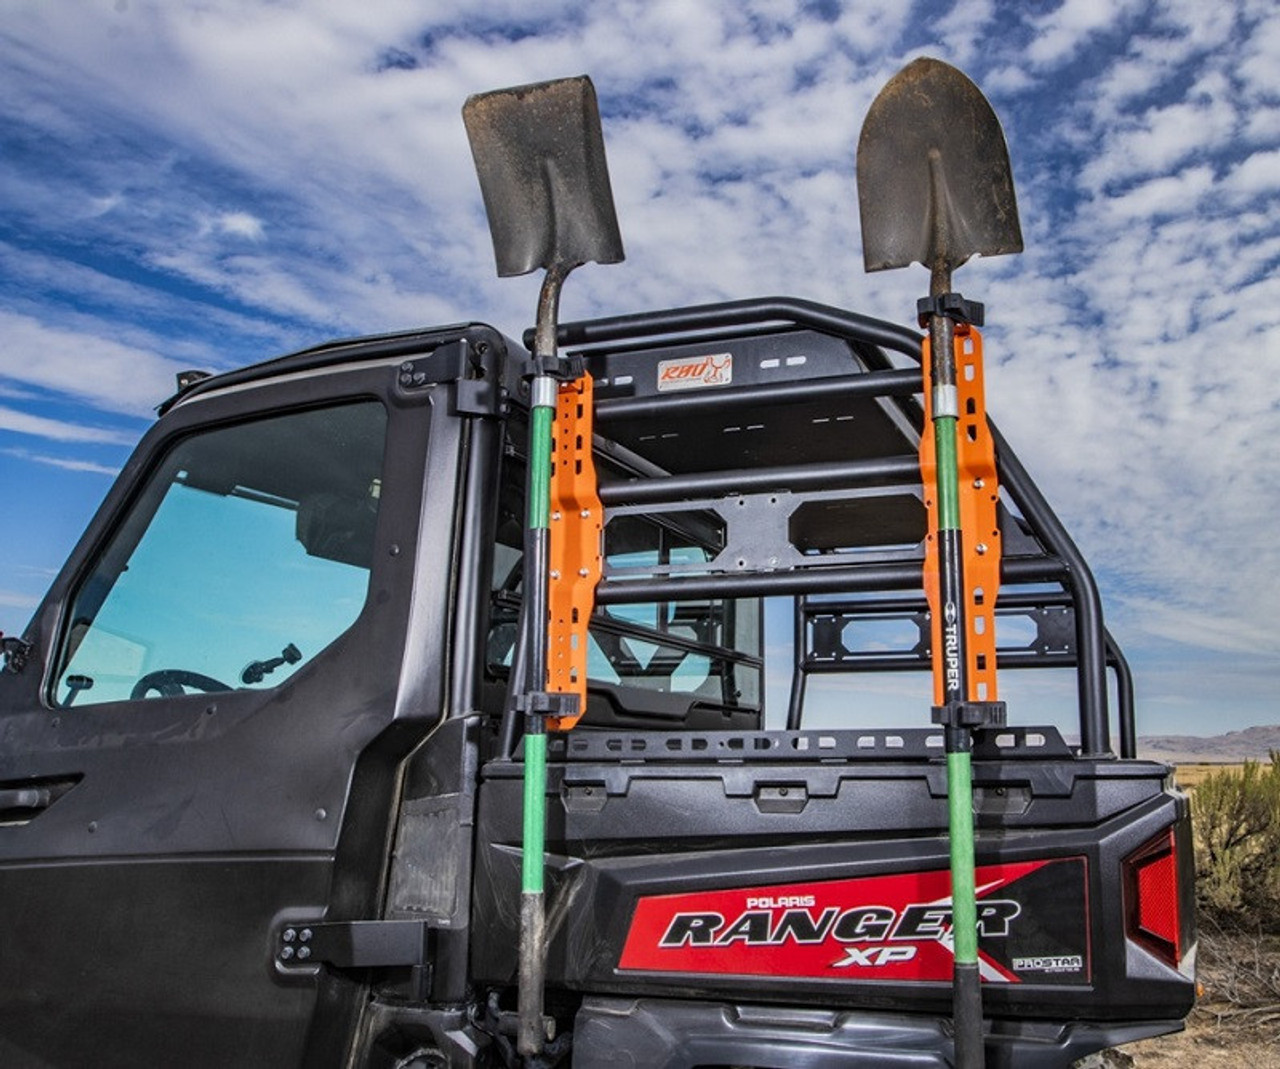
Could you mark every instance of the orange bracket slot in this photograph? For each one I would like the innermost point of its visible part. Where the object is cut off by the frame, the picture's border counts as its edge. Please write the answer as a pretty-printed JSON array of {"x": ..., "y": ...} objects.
[
  {"x": 979, "y": 526},
  {"x": 577, "y": 520}
]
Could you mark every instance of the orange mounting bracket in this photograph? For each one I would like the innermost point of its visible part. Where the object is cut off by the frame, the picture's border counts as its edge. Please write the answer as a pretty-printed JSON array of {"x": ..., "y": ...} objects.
[
  {"x": 577, "y": 521},
  {"x": 979, "y": 525}
]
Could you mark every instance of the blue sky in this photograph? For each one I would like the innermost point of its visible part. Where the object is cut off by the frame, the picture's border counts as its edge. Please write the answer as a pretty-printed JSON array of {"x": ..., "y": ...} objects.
[{"x": 204, "y": 184}]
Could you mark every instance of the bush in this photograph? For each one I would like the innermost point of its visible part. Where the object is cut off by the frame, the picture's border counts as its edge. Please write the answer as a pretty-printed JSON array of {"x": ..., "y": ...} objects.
[{"x": 1236, "y": 821}]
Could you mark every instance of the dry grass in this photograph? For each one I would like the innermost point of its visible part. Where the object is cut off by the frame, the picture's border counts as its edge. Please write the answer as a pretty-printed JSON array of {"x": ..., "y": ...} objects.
[
  {"x": 1191, "y": 775},
  {"x": 1236, "y": 1021}
]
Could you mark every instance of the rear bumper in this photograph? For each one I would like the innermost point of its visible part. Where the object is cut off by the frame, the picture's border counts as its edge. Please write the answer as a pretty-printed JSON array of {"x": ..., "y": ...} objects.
[{"x": 673, "y": 1034}]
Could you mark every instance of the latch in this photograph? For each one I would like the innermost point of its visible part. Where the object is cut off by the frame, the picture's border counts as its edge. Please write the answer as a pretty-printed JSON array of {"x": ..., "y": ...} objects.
[{"x": 782, "y": 798}]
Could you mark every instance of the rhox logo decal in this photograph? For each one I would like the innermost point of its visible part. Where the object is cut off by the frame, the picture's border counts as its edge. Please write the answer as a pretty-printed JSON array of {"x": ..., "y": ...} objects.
[
  {"x": 1033, "y": 924},
  {"x": 695, "y": 372}
]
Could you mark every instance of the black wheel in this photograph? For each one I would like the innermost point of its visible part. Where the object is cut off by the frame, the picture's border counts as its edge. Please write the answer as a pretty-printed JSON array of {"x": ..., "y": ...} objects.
[{"x": 171, "y": 682}]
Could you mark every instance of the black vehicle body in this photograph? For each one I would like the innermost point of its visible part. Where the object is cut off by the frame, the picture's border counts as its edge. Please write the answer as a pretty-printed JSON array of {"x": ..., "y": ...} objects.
[{"x": 322, "y": 867}]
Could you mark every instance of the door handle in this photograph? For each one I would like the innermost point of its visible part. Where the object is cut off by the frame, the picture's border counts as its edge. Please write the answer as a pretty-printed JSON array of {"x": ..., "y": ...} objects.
[
  {"x": 23, "y": 801},
  {"x": 25, "y": 798}
]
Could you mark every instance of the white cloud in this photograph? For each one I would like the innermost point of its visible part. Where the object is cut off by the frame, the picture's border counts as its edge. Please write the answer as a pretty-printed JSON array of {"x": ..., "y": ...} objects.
[
  {"x": 59, "y": 430},
  {"x": 66, "y": 463},
  {"x": 1066, "y": 29},
  {"x": 239, "y": 224},
  {"x": 1160, "y": 139},
  {"x": 132, "y": 313},
  {"x": 1197, "y": 628},
  {"x": 1176, "y": 194},
  {"x": 102, "y": 205},
  {"x": 1257, "y": 66},
  {"x": 123, "y": 378},
  {"x": 10, "y": 599},
  {"x": 1258, "y": 174}
]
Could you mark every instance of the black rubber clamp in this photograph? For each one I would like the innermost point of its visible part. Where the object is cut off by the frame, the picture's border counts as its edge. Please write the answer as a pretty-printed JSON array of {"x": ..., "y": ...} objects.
[
  {"x": 971, "y": 715},
  {"x": 561, "y": 368},
  {"x": 547, "y": 703},
  {"x": 951, "y": 305}
]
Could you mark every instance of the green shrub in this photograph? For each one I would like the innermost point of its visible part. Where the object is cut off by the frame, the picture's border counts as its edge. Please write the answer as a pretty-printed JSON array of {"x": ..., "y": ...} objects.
[{"x": 1236, "y": 820}]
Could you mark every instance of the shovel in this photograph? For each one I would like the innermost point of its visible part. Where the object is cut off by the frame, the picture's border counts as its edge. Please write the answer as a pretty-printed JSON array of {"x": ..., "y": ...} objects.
[
  {"x": 935, "y": 187},
  {"x": 539, "y": 155}
]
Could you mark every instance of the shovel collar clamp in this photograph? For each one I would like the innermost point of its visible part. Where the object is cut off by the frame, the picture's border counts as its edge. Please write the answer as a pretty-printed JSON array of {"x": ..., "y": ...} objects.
[
  {"x": 560, "y": 368},
  {"x": 547, "y": 703},
  {"x": 951, "y": 305},
  {"x": 971, "y": 715}
]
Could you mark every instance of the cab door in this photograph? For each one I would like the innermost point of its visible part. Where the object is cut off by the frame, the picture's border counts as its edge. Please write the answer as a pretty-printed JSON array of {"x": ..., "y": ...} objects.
[{"x": 203, "y": 744}]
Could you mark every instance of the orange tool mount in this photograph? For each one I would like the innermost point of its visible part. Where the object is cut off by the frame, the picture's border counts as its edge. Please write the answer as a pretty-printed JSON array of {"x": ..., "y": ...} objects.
[
  {"x": 577, "y": 520},
  {"x": 978, "y": 494}
]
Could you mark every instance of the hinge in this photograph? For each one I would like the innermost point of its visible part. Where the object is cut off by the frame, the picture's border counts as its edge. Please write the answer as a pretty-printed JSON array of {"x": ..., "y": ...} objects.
[
  {"x": 465, "y": 363},
  {"x": 355, "y": 944},
  {"x": 15, "y": 652}
]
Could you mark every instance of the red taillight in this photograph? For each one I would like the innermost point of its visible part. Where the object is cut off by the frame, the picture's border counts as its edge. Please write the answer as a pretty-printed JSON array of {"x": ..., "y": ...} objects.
[{"x": 1152, "y": 908}]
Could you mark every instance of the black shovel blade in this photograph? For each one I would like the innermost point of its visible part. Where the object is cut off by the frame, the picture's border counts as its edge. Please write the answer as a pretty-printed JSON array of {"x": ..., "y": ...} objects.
[
  {"x": 539, "y": 154},
  {"x": 934, "y": 182}
]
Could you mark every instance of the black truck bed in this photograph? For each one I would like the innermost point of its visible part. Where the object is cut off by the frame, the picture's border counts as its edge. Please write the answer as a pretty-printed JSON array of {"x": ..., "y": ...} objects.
[{"x": 808, "y": 871}]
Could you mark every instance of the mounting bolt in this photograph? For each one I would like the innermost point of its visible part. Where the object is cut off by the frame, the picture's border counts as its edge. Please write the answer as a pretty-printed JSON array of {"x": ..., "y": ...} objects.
[
  {"x": 585, "y": 513},
  {"x": 980, "y": 548},
  {"x": 304, "y": 953},
  {"x": 978, "y": 484},
  {"x": 304, "y": 936},
  {"x": 286, "y": 954},
  {"x": 584, "y": 572},
  {"x": 288, "y": 935}
]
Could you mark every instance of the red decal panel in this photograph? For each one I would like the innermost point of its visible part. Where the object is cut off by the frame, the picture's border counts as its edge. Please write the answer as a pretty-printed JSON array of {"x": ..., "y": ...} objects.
[{"x": 1032, "y": 923}]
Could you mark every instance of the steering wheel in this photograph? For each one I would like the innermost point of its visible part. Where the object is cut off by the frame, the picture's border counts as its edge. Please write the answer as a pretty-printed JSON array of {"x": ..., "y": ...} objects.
[{"x": 169, "y": 683}]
